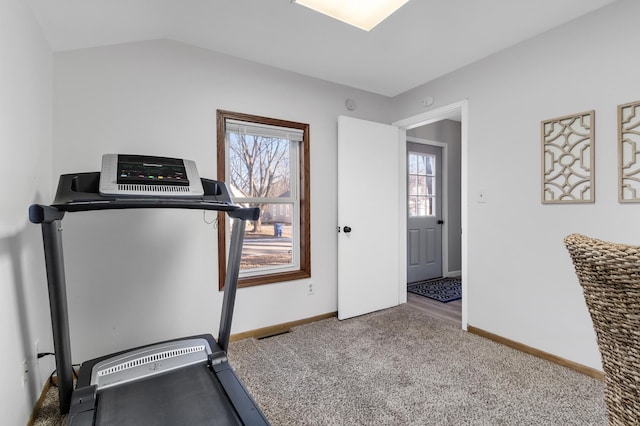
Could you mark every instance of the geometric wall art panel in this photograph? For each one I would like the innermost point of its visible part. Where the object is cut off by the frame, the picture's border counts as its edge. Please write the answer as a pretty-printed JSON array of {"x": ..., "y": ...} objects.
[
  {"x": 629, "y": 152},
  {"x": 568, "y": 152}
]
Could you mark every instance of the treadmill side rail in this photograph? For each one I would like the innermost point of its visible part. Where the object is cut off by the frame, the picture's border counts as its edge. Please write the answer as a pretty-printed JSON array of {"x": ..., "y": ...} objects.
[
  {"x": 244, "y": 404},
  {"x": 83, "y": 405}
]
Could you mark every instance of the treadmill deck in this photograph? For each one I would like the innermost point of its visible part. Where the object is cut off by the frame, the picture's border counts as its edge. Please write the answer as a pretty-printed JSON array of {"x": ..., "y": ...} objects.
[{"x": 189, "y": 396}]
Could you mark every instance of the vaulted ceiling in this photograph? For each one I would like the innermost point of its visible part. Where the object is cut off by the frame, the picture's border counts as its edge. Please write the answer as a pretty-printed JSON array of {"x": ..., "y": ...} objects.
[{"x": 423, "y": 40}]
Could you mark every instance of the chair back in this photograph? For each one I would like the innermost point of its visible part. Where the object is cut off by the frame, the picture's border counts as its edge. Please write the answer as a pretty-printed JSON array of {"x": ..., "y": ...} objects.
[{"x": 609, "y": 274}]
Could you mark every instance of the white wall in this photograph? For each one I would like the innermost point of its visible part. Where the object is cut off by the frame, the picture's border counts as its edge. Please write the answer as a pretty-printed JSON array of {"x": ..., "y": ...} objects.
[
  {"x": 25, "y": 177},
  {"x": 135, "y": 277},
  {"x": 521, "y": 282}
]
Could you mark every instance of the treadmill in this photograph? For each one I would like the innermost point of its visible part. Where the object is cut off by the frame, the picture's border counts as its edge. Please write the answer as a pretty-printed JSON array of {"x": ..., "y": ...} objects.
[{"x": 186, "y": 381}]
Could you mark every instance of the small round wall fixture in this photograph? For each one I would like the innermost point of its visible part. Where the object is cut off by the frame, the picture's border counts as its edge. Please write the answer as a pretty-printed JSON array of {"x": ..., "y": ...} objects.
[{"x": 351, "y": 104}]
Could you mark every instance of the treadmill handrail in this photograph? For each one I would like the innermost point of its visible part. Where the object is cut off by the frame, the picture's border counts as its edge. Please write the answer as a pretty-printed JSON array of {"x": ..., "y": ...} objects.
[{"x": 79, "y": 192}]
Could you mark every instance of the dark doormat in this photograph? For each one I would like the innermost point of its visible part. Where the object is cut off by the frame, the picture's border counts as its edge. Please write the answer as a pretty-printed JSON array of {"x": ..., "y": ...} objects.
[{"x": 441, "y": 289}]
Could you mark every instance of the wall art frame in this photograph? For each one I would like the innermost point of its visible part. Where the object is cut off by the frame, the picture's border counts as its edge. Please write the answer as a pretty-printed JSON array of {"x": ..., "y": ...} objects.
[
  {"x": 568, "y": 159},
  {"x": 629, "y": 152}
]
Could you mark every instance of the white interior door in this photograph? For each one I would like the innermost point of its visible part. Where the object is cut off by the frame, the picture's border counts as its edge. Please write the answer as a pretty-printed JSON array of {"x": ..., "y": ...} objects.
[{"x": 368, "y": 217}]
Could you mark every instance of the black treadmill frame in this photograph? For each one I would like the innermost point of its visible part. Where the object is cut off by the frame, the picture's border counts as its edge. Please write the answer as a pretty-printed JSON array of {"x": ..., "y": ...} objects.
[{"x": 79, "y": 192}]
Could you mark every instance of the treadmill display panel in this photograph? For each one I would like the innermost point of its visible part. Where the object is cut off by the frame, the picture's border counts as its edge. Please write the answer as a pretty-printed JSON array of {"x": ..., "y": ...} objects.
[
  {"x": 147, "y": 170},
  {"x": 128, "y": 175}
]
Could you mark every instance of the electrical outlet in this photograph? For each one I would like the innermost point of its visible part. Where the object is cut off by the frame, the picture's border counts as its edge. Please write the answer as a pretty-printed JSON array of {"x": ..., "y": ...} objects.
[{"x": 310, "y": 288}]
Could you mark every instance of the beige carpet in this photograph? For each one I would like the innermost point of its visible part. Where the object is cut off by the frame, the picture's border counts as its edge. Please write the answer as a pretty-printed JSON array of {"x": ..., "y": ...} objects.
[{"x": 401, "y": 367}]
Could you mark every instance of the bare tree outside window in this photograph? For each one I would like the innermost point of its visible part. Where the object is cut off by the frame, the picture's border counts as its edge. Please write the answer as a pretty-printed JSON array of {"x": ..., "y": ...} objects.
[
  {"x": 259, "y": 168},
  {"x": 265, "y": 163}
]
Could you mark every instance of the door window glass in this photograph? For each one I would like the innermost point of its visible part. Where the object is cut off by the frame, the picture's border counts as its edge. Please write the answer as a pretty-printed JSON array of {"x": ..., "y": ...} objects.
[{"x": 422, "y": 184}]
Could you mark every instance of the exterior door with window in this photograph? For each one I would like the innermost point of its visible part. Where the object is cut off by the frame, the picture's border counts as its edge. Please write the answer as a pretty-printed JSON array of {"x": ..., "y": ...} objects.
[{"x": 424, "y": 221}]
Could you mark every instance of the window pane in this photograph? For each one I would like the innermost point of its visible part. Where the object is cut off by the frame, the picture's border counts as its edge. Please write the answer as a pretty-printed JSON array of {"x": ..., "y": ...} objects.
[
  {"x": 421, "y": 165},
  {"x": 430, "y": 206},
  {"x": 413, "y": 164},
  {"x": 422, "y": 206},
  {"x": 413, "y": 209},
  {"x": 259, "y": 166},
  {"x": 413, "y": 185},
  {"x": 268, "y": 242},
  {"x": 430, "y": 185},
  {"x": 422, "y": 185},
  {"x": 431, "y": 169}
]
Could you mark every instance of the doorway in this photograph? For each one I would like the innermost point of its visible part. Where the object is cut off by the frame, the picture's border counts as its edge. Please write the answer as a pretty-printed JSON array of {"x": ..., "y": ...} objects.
[
  {"x": 425, "y": 211},
  {"x": 456, "y": 111}
]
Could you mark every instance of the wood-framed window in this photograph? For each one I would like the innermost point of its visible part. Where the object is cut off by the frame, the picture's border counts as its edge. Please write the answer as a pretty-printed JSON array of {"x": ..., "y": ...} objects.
[{"x": 265, "y": 163}]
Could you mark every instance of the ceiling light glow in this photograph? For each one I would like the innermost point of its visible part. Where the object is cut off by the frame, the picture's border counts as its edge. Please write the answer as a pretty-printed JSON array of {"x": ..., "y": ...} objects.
[{"x": 364, "y": 14}]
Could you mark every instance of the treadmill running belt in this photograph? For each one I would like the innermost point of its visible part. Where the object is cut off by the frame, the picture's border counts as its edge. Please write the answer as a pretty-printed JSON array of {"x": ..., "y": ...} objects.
[{"x": 187, "y": 396}]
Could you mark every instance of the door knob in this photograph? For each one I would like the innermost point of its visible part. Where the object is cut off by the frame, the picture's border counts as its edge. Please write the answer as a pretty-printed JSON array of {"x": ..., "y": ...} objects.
[
  {"x": 347, "y": 229},
  {"x": 440, "y": 222}
]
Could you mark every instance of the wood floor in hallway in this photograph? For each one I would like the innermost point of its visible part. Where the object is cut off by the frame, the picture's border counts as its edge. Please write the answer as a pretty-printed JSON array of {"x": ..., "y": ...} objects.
[{"x": 451, "y": 311}]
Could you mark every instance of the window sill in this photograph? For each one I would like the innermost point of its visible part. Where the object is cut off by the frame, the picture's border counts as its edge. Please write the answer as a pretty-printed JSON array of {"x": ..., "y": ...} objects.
[{"x": 273, "y": 278}]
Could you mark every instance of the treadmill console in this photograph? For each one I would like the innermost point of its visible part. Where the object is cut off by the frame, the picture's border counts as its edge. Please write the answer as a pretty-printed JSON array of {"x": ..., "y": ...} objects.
[{"x": 144, "y": 175}]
